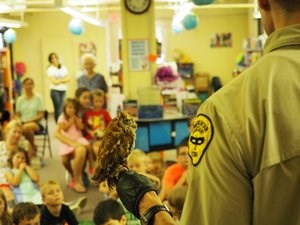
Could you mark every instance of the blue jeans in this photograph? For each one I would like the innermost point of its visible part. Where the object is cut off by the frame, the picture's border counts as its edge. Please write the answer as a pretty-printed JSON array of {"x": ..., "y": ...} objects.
[{"x": 58, "y": 98}]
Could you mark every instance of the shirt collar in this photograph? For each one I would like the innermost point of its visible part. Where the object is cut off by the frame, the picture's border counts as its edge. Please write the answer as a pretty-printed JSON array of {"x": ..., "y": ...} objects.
[{"x": 283, "y": 37}]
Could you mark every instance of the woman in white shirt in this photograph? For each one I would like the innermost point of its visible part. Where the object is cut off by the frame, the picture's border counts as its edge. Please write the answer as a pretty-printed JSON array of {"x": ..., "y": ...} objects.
[{"x": 59, "y": 78}]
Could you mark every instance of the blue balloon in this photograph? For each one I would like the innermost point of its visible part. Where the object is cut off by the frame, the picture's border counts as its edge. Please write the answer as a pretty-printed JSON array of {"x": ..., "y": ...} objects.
[
  {"x": 177, "y": 28},
  {"x": 202, "y": 2},
  {"x": 10, "y": 36},
  {"x": 190, "y": 22},
  {"x": 76, "y": 26}
]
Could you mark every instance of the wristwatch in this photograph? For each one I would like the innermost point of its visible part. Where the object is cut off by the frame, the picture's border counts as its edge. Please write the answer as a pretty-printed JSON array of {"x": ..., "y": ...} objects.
[{"x": 148, "y": 217}]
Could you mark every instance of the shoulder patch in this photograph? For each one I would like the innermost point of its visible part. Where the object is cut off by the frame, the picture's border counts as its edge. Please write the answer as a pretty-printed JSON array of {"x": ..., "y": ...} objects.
[{"x": 200, "y": 137}]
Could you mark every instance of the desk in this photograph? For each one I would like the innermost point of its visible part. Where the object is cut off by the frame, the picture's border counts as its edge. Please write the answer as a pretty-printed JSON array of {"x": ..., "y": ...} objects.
[{"x": 161, "y": 133}]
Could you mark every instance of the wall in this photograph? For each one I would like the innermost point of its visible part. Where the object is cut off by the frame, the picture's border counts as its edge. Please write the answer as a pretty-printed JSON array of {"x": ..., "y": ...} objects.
[
  {"x": 196, "y": 43},
  {"x": 47, "y": 32}
]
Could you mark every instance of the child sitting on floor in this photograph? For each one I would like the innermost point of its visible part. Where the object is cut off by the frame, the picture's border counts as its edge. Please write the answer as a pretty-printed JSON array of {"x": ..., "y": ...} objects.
[
  {"x": 109, "y": 212},
  {"x": 5, "y": 217},
  {"x": 25, "y": 213},
  {"x": 137, "y": 161},
  {"x": 54, "y": 211},
  {"x": 23, "y": 179}
]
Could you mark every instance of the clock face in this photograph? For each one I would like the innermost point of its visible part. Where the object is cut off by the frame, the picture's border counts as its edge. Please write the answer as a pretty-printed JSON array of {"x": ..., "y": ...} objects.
[{"x": 137, "y": 6}]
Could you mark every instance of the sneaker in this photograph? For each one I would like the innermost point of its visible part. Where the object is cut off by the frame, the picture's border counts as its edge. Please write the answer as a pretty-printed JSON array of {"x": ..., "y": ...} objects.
[
  {"x": 76, "y": 210},
  {"x": 80, "y": 202},
  {"x": 85, "y": 179}
]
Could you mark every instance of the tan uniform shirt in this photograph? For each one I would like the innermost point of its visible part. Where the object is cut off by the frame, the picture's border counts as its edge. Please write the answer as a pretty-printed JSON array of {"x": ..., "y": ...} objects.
[{"x": 245, "y": 144}]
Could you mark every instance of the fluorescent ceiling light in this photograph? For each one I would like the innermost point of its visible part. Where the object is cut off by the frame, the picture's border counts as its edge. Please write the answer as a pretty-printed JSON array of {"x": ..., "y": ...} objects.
[
  {"x": 12, "y": 23},
  {"x": 83, "y": 16},
  {"x": 184, "y": 10},
  {"x": 16, "y": 5}
]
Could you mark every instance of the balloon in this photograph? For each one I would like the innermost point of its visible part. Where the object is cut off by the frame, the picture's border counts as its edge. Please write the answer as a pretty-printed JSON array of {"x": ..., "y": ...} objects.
[
  {"x": 76, "y": 26},
  {"x": 177, "y": 28},
  {"x": 202, "y": 2},
  {"x": 190, "y": 22},
  {"x": 10, "y": 36}
]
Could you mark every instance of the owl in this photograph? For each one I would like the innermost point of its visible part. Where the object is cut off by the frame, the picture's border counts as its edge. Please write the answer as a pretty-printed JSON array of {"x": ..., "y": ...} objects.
[{"x": 117, "y": 143}]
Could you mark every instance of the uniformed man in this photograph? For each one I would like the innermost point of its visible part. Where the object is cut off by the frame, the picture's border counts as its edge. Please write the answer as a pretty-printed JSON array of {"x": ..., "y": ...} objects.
[{"x": 245, "y": 145}]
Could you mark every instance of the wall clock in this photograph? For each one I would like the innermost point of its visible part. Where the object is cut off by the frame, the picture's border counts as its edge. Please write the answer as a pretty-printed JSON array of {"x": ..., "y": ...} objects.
[{"x": 137, "y": 6}]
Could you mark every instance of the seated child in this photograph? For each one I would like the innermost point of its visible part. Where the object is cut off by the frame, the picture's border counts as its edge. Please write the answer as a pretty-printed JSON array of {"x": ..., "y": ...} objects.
[
  {"x": 23, "y": 179},
  {"x": 73, "y": 146},
  {"x": 176, "y": 200},
  {"x": 155, "y": 164},
  {"x": 54, "y": 211},
  {"x": 176, "y": 174},
  {"x": 5, "y": 217},
  {"x": 137, "y": 161},
  {"x": 109, "y": 212},
  {"x": 96, "y": 120},
  {"x": 26, "y": 213}
]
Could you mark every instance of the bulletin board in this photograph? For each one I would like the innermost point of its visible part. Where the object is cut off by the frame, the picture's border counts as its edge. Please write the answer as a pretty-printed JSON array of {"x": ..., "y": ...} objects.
[{"x": 138, "y": 51}]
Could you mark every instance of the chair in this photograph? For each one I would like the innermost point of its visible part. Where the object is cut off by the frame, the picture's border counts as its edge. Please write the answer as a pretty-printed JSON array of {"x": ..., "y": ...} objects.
[{"x": 42, "y": 138}]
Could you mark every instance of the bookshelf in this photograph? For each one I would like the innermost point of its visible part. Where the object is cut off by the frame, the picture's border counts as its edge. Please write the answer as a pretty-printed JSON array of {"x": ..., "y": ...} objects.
[{"x": 6, "y": 88}]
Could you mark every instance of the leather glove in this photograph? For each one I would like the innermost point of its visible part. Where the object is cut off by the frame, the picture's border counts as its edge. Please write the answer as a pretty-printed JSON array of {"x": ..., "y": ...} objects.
[{"x": 131, "y": 187}]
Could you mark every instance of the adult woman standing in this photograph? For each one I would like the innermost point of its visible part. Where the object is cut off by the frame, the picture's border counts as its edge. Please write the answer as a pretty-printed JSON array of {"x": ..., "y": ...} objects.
[
  {"x": 91, "y": 79},
  {"x": 59, "y": 78},
  {"x": 30, "y": 110}
]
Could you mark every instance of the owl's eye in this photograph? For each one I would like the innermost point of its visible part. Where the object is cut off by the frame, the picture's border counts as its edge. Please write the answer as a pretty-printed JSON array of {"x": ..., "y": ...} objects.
[{"x": 126, "y": 120}]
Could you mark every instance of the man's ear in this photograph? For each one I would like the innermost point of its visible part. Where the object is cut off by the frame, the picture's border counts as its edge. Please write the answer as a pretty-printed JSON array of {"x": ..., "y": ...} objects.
[
  {"x": 123, "y": 220},
  {"x": 264, "y": 4}
]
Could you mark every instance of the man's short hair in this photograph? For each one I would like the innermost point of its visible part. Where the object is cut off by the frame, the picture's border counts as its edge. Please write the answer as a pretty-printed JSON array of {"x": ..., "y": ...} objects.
[
  {"x": 289, "y": 5},
  {"x": 24, "y": 210},
  {"x": 106, "y": 210}
]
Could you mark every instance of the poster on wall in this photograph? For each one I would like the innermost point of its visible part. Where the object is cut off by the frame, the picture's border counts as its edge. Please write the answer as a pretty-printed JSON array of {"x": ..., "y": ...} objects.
[
  {"x": 85, "y": 47},
  {"x": 220, "y": 40},
  {"x": 138, "y": 51}
]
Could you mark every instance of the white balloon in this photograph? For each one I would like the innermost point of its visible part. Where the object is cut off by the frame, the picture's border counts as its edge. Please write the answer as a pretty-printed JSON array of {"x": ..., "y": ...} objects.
[
  {"x": 76, "y": 26},
  {"x": 10, "y": 36}
]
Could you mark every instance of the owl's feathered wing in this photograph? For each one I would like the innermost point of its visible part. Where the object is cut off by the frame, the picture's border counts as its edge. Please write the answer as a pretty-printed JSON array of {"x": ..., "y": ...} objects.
[{"x": 117, "y": 142}]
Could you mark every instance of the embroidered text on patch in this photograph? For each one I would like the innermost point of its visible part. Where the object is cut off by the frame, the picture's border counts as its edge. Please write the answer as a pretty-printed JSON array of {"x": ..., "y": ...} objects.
[{"x": 200, "y": 138}]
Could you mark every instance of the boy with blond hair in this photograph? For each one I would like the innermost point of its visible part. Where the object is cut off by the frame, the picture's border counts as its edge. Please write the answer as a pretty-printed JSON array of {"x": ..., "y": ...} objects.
[
  {"x": 137, "y": 161},
  {"x": 54, "y": 211}
]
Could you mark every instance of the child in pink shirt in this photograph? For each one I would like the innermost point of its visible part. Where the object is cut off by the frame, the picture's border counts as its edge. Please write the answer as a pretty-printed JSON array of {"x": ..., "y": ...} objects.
[{"x": 73, "y": 145}]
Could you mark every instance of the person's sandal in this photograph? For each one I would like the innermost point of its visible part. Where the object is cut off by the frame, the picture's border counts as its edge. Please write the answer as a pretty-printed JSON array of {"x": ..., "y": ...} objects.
[{"x": 79, "y": 188}]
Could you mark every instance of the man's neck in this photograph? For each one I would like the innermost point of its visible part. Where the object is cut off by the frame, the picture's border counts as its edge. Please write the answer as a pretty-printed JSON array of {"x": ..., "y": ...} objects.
[{"x": 283, "y": 19}]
